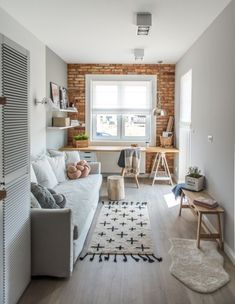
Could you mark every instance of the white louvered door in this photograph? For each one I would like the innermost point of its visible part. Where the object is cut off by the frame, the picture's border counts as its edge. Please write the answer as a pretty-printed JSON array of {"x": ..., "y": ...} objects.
[{"x": 14, "y": 171}]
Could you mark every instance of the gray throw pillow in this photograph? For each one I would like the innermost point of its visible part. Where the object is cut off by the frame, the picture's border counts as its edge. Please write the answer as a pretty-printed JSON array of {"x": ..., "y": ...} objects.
[
  {"x": 44, "y": 197},
  {"x": 59, "y": 198}
]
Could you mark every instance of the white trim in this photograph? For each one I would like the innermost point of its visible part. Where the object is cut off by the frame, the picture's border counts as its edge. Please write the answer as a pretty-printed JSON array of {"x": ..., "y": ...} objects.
[
  {"x": 88, "y": 93},
  {"x": 229, "y": 252}
]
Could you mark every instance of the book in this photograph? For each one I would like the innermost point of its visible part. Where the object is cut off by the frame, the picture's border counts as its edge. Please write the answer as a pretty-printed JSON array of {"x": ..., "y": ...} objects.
[{"x": 206, "y": 202}]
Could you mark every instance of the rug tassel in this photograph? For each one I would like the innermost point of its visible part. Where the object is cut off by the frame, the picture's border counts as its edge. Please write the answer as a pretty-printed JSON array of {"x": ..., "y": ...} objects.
[
  {"x": 92, "y": 258},
  {"x": 107, "y": 257},
  {"x": 156, "y": 258},
  {"x": 82, "y": 258},
  {"x": 115, "y": 258},
  {"x": 125, "y": 258},
  {"x": 149, "y": 259},
  {"x": 100, "y": 258},
  {"x": 103, "y": 202},
  {"x": 143, "y": 258},
  {"x": 136, "y": 259}
]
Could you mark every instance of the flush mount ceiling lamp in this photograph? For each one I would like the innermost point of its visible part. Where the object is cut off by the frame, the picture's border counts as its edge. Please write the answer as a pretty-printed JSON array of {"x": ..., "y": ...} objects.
[
  {"x": 139, "y": 54},
  {"x": 143, "y": 22}
]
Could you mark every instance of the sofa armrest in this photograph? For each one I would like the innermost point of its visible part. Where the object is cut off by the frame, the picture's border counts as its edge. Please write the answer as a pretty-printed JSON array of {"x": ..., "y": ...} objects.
[
  {"x": 95, "y": 167},
  {"x": 51, "y": 242}
]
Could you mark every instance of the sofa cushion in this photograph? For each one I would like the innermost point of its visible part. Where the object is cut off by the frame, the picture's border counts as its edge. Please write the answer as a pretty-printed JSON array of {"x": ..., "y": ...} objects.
[
  {"x": 70, "y": 156},
  {"x": 58, "y": 166},
  {"x": 44, "y": 173},
  {"x": 33, "y": 177},
  {"x": 44, "y": 197},
  {"x": 81, "y": 196},
  {"x": 34, "y": 202}
]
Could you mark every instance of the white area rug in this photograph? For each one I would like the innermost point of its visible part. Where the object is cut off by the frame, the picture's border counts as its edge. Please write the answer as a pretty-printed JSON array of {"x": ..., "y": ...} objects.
[
  {"x": 123, "y": 229},
  {"x": 199, "y": 269}
]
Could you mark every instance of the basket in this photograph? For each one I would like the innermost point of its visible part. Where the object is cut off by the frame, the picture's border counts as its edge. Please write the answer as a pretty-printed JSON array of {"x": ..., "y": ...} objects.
[
  {"x": 81, "y": 143},
  {"x": 166, "y": 141}
]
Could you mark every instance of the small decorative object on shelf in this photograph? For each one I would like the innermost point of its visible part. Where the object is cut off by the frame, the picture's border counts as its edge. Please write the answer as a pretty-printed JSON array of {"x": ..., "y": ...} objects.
[
  {"x": 81, "y": 140},
  {"x": 194, "y": 179},
  {"x": 61, "y": 121}
]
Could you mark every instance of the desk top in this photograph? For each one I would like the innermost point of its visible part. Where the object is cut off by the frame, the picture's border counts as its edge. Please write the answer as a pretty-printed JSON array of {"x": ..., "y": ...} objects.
[
  {"x": 119, "y": 148},
  {"x": 194, "y": 195}
]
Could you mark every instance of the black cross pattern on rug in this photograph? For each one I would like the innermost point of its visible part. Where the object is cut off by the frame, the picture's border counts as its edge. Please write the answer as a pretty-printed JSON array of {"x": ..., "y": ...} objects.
[
  {"x": 97, "y": 247},
  {"x": 101, "y": 234},
  {"x": 113, "y": 228},
  {"x": 123, "y": 224},
  {"x": 141, "y": 234},
  {"x": 116, "y": 210},
  {"x": 142, "y": 247},
  {"x": 110, "y": 240},
  {"x": 140, "y": 207},
  {"x": 114, "y": 219},
  {"x": 122, "y": 234},
  {"x": 104, "y": 223},
  {"x": 107, "y": 214},
  {"x": 132, "y": 229},
  {"x": 108, "y": 207},
  {"x": 132, "y": 219},
  {"x": 120, "y": 247},
  {"x": 140, "y": 214},
  {"x": 141, "y": 224},
  {"x": 124, "y": 207},
  {"x": 132, "y": 210},
  {"x": 132, "y": 241},
  {"x": 124, "y": 214}
]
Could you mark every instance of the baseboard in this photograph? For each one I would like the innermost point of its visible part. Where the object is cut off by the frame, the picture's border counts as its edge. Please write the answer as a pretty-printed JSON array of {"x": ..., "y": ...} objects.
[{"x": 229, "y": 252}]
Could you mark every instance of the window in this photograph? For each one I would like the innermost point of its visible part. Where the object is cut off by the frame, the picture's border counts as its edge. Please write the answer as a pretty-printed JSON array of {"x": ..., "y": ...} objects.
[{"x": 120, "y": 108}]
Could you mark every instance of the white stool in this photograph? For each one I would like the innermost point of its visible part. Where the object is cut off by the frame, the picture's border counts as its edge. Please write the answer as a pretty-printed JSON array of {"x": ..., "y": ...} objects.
[{"x": 116, "y": 191}]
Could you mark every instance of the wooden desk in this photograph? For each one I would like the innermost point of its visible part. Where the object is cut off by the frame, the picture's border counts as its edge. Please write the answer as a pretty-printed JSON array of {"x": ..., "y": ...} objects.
[
  {"x": 199, "y": 211},
  {"x": 160, "y": 158},
  {"x": 119, "y": 148}
]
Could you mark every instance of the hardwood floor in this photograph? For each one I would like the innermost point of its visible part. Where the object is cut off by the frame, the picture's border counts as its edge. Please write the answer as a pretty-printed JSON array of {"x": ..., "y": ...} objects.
[{"x": 131, "y": 282}]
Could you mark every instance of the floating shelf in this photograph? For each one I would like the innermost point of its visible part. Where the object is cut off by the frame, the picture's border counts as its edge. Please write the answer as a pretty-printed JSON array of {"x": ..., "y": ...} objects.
[
  {"x": 70, "y": 110},
  {"x": 61, "y": 128}
]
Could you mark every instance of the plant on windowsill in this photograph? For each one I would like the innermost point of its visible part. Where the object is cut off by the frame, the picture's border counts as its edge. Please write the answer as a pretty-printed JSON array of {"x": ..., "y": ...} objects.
[
  {"x": 81, "y": 140},
  {"x": 194, "y": 179}
]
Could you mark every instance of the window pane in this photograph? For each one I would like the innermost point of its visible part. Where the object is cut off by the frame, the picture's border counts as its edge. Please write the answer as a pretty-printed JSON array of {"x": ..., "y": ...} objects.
[
  {"x": 105, "y": 96},
  {"x": 135, "y": 97},
  {"x": 135, "y": 125},
  {"x": 106, "y": 125}
]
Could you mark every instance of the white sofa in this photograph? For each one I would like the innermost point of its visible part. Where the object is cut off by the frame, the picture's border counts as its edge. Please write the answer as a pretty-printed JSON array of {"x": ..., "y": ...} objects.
[{"x": 55, "y": 248}]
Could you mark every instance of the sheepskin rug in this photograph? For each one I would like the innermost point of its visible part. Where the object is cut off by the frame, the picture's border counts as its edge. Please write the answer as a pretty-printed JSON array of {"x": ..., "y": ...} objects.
[{"x": 199, "y": 269}]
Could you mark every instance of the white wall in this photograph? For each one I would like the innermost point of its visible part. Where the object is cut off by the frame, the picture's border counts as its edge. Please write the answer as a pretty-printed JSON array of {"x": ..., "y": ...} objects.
[
  {"x": 212, "y": 60},
  {"x": 13, "y": 30},
  {"x": 56, "y": 71}
]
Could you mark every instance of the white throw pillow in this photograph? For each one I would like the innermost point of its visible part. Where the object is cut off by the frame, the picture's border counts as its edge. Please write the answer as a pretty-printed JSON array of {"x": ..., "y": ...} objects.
[
  {"x": 54, "y": 153},
  {"x": 33, "y": 177},
  {"x": 72, "y": 157},
  {"x": 58, "y": 166},
  {"x": 34, "y": 202},
  {"x": 44, "y": 173}
]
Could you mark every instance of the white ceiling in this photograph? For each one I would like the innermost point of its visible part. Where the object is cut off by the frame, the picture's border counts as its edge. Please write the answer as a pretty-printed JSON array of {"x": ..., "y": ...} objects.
[{"x": 104, "y": 31}]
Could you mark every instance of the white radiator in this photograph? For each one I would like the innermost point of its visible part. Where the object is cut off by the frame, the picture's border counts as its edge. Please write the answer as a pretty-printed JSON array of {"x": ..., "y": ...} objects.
[{"x": 14, "y": 171}]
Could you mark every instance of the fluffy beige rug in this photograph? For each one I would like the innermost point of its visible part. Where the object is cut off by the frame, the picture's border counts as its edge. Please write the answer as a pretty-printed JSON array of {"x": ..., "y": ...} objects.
[{"x": 199, "y": 269}]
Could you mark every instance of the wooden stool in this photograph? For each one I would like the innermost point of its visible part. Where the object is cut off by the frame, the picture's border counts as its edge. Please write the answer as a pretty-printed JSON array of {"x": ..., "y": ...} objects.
[{"x": 116, "y": 191}]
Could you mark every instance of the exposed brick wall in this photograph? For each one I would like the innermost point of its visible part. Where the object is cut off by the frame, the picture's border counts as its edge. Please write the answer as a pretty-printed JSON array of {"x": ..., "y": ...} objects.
[{"x": 165, "y": 85}]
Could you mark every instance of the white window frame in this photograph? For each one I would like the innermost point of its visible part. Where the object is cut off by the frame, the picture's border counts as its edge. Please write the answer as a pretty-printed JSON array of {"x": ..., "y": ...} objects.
[{"x": 116, "y": 141}]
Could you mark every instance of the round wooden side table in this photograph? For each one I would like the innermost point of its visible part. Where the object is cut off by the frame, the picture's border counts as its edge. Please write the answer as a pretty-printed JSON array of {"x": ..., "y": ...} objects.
[{"x": 115, "y": 187}]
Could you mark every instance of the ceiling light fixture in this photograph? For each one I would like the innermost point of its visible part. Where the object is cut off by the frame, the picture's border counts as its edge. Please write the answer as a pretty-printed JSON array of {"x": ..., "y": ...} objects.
[
  {"x": 143, "y": 22},
  {"x": 139, "y": 54}
]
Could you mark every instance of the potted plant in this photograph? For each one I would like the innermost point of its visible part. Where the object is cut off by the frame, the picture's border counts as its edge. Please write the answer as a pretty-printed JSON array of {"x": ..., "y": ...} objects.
[
  {"x": 194, "y": 179},
  {"x": 81, "y": 140}
]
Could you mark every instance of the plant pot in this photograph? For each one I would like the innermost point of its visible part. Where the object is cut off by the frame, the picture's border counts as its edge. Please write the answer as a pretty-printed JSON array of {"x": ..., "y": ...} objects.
[
  {"x": 193, "y": 183},
  {"x": 81, "y": 143}
]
